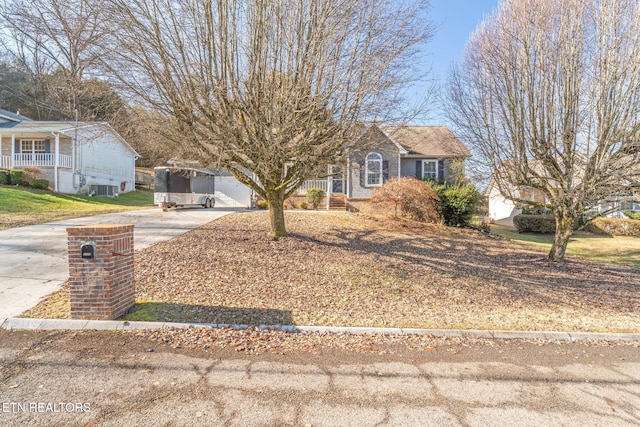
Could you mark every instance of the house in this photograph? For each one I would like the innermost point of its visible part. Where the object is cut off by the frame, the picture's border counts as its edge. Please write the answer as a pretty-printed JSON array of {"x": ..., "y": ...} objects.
[
  {"x": 503, "y": 209},
  {"x": 75, "y": 157},
  {"x": 381, "y": 153}
]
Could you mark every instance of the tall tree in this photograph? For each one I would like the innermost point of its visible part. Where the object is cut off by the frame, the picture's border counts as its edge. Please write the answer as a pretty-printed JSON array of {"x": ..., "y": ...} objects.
[
  {"x": 269, "y": 90},
  {"x": 60, "y": 38},
  {"x": 549, "y": 94}
]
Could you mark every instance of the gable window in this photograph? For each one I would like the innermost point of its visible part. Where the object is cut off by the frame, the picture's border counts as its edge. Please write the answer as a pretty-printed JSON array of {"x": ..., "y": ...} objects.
[
  {"x": 373, "y": 170},
  {"x": 430, "y": 169}
]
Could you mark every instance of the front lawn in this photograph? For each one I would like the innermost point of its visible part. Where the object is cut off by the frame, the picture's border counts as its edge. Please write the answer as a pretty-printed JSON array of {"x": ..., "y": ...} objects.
[
  {"x": 614, "y": 250},
  {"x": 20, "y": 206},
  {"x": 349, "y": 270}
]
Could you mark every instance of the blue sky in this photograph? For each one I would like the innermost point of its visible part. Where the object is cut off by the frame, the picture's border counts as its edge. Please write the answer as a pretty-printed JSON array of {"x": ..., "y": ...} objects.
[{"x": 455, "y": 20}]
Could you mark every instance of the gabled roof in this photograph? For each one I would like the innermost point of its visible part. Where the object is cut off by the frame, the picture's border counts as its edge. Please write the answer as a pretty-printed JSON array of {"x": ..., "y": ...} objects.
[
  {"x": 48, "y": 126},
  {"x": 427, "y": 141},
  {"x": 63, "y": 127},
  {"x": 11, "y": 117}
]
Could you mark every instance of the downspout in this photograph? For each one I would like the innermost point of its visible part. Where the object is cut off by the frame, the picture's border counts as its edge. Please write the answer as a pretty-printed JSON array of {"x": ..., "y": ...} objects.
[{"x": 329, "y": 185}]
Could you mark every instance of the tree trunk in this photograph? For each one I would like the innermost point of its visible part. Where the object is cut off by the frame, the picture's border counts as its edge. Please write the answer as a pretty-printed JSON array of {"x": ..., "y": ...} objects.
[
  {"x": 564, "y": 230},
  {"x": 276, "y": 213}
]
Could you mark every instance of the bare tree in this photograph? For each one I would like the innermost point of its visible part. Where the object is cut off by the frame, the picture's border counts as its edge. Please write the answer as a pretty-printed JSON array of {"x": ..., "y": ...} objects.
[
  {"x": 269, "y": 90},
  {"x": 549, "y": 93},
  {"x": 60, "y": 41}
]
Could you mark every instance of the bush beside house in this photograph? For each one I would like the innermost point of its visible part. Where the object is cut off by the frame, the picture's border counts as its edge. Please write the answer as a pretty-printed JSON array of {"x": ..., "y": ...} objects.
[
  {"x": 315, "y": 196},
  {"x": 535, "y": 223},
  {"x": 458, "y": 203},
  {"x": 407, "y": 197}
]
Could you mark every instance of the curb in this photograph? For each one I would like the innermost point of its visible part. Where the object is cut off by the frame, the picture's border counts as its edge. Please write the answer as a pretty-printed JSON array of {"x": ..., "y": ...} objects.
[{"x": 19, "y": 323}]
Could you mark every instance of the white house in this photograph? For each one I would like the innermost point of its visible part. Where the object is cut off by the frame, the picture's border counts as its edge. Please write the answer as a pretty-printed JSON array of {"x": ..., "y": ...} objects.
[
  {"x": 75, "y": 157},
  {"x": 503, "y": 209}
]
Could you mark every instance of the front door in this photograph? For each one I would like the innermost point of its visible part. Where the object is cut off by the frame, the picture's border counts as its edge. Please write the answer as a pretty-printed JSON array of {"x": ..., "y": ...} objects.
[{"x": 337, "y": 180}]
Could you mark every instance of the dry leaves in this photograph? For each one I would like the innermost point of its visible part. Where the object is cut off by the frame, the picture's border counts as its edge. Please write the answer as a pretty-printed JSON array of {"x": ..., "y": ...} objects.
[{"x": 348, "y": 270}]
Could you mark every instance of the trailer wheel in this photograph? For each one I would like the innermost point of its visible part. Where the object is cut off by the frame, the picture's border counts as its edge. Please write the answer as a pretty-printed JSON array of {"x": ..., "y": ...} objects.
[{"x": 207, "y": 203}]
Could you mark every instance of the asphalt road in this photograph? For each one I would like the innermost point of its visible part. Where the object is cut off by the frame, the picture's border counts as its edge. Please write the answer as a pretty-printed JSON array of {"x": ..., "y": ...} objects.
[
  {"x": 33, "y": 259},
  {"x": 117, "y": 379}
]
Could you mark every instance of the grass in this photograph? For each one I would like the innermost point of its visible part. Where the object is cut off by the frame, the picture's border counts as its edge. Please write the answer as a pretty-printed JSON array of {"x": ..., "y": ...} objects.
[
  {"x": 20, "y": 206},
  {"x": 611, "y": 250}
]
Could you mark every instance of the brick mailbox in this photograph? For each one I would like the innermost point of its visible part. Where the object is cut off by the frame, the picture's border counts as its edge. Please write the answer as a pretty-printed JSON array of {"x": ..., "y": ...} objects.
[{"x": 101, "y": 271}]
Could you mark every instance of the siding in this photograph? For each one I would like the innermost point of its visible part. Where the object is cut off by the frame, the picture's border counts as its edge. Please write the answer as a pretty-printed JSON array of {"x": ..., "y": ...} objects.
[
  {"x": 373, "y": 141},
  {"x": 104, "y": 160}
]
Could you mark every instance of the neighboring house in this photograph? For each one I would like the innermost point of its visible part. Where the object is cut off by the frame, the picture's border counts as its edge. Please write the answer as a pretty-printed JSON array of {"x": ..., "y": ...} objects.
[
  {"x": 385, "y": 152},
  {"x": 503, "y": 209},
  {"x": 75, "y": 157}
]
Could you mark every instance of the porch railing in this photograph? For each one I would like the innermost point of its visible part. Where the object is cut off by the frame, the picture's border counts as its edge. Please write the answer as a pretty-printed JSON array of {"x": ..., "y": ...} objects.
[
  {"x": 5, "y": 162},
  {"x": 40, "y": 160},
  {"x": 314, "y": 183}
]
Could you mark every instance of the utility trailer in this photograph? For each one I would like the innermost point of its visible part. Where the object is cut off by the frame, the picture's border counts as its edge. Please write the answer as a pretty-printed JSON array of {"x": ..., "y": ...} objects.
[{"x": 183, "y": 186}]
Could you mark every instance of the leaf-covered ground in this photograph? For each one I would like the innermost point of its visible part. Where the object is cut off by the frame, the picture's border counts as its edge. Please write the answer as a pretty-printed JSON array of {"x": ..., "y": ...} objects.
[{"x": 350, "y": 270}]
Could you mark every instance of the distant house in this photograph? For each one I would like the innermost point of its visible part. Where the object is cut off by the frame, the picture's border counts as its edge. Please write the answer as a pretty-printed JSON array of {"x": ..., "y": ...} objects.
[
  {"x": 504, "y": 209},
  {"x": 75, "y": 157},
  {"x": 385, "y": 152}
]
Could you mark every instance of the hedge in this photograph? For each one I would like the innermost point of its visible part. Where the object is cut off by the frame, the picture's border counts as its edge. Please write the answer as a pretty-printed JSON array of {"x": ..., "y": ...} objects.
[
  {"x": 535, "y": 223},
  {"x": 40, "y": 183},
  {"x": 614, "y": 227},
  {"x": 633, "y": 215},
  {"x": 458, "y": 203},
  {"x": 5, "y": 178},
  {"x": 16, "y": 177}
]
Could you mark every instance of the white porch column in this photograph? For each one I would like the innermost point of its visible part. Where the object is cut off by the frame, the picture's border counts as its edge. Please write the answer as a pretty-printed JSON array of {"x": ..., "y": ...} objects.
[
  {"x": 329, "y": 186},
  {"x": 56, "y": 161},
  {"x": 13, "y": 150},
  {"x": 348, "y": 174},
  {"x": 1, "y": 156}
]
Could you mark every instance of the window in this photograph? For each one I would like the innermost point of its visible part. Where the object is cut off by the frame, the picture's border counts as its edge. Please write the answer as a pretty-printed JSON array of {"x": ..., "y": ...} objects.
[
  {"x": 430, "y": 169},
  {"x": 30, "y": 146},
  {"x": 373, "y": 170}
]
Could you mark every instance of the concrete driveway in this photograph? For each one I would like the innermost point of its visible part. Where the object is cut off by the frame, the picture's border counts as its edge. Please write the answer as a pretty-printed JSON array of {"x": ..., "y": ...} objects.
[{"x": 33, "y": 259}]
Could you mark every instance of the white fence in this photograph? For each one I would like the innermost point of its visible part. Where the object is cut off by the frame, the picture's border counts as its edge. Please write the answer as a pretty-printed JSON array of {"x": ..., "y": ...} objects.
[{"x": 38, "y": 159}]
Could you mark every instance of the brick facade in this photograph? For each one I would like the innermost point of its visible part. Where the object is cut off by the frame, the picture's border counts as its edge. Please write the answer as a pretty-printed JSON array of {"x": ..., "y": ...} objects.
[{"x": 101, "y": 288}]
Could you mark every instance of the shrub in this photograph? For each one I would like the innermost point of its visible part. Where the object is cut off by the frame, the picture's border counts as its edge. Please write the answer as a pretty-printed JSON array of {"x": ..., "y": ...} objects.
[
  {"x": 4, "y": 178},
  {"x": 314, "y": 196},
  {"x": 303, "y": 205},
  {"x": 408, "y": 197},
  {"x": 262, "y": 204},
  {"x": 458, "y": 202},
  {"x": 42, "y": 184},
  {"x": 535, "y": 223},
  {"x": 614, "y": 227},
  {"x": 633, "y": 215},
  {"x": 290, "y": 203},
  {"x": 30, "y": 173},
  {"x": 15, "y": 176}
]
